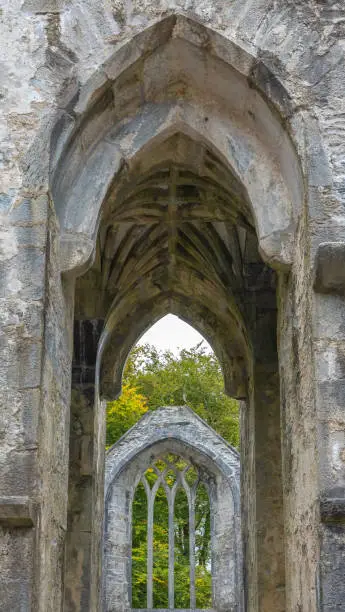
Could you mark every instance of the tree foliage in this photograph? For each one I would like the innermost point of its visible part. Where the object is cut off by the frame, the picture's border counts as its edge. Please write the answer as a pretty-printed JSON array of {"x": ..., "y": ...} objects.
[
  {"x": 153, "y": 379},
  {"x": 124, "y": 412}
]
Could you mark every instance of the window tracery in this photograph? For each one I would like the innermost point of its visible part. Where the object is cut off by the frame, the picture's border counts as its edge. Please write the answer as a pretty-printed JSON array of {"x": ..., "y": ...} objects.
[{"x": 177, "y": 546}]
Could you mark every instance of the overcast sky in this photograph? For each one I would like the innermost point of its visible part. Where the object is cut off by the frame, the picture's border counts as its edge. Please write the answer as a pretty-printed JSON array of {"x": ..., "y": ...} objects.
[{"x": 173, "y": 334}]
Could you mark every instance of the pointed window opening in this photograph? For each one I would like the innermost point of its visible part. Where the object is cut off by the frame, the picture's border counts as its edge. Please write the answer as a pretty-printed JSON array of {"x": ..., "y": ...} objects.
[
  {"x": 173, "y": 365},
  {"x": 170, "y": 333},
  {"x": 171, "y": 537},
  {"x": 173, "y": 496}
]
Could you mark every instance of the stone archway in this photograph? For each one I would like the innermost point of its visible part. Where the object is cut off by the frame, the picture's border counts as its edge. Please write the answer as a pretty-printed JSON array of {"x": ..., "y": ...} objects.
[
  {"x": 194, "y": 98},
  {"x": 268, "y": 109},
  {"x": 178, "y": 431},
  {"x": 188, "y": 188}
]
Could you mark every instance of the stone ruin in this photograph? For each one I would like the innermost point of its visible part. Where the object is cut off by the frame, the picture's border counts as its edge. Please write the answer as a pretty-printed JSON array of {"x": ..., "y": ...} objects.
[
  {"x": 176, "y": 156},
  {"x": 178, "y": 431}
]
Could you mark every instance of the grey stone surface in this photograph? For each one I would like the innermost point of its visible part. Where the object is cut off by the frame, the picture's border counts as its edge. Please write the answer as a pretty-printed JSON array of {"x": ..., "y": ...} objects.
[
  {"x": 329, "y": 268},
  {"x": 246, "y": 98}
]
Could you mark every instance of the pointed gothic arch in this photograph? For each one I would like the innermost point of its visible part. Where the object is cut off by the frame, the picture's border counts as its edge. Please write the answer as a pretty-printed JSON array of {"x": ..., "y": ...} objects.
[
  {"x": 169, "y": 201},
  {"x": 179, "y": 77},
  {"x": 261, "y": 102}
]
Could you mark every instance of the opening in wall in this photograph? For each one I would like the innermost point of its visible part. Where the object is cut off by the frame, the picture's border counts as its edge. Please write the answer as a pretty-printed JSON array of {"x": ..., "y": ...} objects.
[
  {"x": 173, "y": 364},
  {"x": 171, "y": 537}
]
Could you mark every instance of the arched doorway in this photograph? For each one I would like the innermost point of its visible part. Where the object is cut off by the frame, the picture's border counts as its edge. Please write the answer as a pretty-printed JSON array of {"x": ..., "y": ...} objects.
[{"x": 191, "y": 189}]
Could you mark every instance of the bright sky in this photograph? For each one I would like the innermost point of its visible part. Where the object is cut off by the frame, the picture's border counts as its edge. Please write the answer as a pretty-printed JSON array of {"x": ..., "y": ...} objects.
[{"x": 172, "y": 333}]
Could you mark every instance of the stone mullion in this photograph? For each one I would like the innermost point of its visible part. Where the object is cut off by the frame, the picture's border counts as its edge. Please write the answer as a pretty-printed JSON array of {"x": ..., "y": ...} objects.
[
  {"x": 150, "y": 508},
  {"x": 191, "y": 504}
]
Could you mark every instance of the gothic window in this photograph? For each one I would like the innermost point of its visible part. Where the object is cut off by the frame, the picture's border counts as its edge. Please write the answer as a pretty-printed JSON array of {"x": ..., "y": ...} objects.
[
  {"x": 172, "y": 532},
  {"x": 171, "y": 537}
]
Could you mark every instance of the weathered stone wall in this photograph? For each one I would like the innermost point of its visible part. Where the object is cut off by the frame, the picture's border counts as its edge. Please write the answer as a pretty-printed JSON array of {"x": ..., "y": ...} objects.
[
  {"x": 55, "y": 60},
  {"x": 22, "y": 344},
  {"x": 35, "y": 411}
]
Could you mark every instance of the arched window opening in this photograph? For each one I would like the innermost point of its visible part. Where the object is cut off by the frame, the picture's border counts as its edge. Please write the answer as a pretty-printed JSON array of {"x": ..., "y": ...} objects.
[
  {"x": 184, "y": 185},
  {"x": 181, "y": 548},
  {"x": 173, "y": 364},
  {"x": 171, "y": 537},
  {"x": 182, "y": 534}
]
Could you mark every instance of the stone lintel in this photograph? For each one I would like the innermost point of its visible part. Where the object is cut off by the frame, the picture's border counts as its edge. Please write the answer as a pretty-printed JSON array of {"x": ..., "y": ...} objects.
[
  {"x": 16, "y": 511},
  {"x": 330, "y": 268}
]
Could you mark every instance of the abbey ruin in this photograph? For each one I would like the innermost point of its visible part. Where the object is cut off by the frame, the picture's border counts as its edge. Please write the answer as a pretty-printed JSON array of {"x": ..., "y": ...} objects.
[{"x": 186, "y": 157}]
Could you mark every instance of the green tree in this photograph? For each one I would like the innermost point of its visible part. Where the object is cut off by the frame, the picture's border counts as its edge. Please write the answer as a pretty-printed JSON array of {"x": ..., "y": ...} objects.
[
  {"x": 139, "y": 548},
  {"x": 194, "y": 377},
  {"x": 124, "y": 413}
]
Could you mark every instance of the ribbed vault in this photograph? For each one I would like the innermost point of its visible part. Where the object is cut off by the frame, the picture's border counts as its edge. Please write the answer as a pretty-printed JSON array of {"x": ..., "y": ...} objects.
[
  {"x": 177, "y": 236},
  {"x": 173, "y": 175}
]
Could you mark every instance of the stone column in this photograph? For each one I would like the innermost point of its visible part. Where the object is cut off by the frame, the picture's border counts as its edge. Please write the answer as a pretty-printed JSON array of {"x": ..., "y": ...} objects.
[
  {"x": 262, "y": 490},
  {"x": 248, "y": 506},
  {"x": 82, "y": 504},
  {"x": 269, "y": 490},
  {"x": 299, "y": 425}
]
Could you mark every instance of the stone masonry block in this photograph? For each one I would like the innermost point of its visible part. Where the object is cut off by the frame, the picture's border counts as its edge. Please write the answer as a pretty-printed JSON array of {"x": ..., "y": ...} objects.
[
  {"x": 330, "y": 268},
  {"x": 16, "y": 512}
]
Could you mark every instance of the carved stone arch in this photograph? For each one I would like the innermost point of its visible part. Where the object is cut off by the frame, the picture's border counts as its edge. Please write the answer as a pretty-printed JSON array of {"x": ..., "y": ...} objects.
[
  {"x": 180, "y": 431},
  {"x": 287, "y": 58},
  {"x": 194, "y": 92},
  {"x": 201, "y": 121},
  {"x": 122, "y": 332}
]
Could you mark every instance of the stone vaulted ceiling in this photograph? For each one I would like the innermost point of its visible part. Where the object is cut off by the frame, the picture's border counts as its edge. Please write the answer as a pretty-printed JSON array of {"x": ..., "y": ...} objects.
[
  {"x": 175, "y": 222},
  {"x": 177, "y": 235}
]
